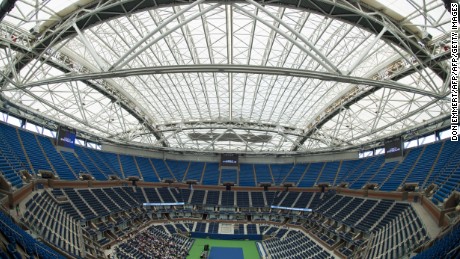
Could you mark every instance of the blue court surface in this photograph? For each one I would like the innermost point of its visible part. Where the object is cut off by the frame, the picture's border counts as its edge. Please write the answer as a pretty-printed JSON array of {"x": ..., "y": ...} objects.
[{"x": 226, "y": 253}]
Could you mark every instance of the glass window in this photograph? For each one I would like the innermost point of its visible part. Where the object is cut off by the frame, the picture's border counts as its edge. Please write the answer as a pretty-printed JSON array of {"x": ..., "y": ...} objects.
[
  {"x": 32, "y": 127},
  {"x": 80, "y": 142},
  {"x": 49, "y": 133},
  {"x": 4, "y": 117},
  {"x": 14, "y": 121},
  {"x": 366, "y": 153},
  {"x": 446, "y": 134},
  {"x": 428, "y": 139},
  {"x": 379, "y": 151},
  {"x": 411, "y": 143}
]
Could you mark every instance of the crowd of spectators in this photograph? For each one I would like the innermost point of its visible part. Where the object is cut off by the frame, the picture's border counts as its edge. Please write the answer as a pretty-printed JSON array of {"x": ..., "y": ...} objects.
[{"x": 153, "y": 243}]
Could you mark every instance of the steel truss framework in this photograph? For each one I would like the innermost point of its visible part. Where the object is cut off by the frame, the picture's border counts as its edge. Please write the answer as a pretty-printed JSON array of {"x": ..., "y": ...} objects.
[{"x": 278, "y": 76}]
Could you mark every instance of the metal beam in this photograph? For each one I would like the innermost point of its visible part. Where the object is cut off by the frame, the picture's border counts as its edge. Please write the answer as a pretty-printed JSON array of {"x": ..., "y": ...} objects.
[
  {"x": 90, "y": 48},
  {"x": 293, "y": 41},
  {"x": 124, "y": 60},
  {"x": 90, "y": 16},
  {"x": 323, "y": 60},
  {"x": 244, "y": 125},
  {"x": 114, "y": 93},
  {"x": 355, "y": 95},
  {"x": 216, "y": 68}
]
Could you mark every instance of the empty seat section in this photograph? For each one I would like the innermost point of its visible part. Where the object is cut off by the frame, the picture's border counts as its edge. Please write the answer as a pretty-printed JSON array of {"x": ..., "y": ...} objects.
[
  {"x": 89, "y": 163},
  {"x": 278, "y": 198},
  {"x": 166, "y": 195},
  {"x": 348, "y": 209},
  {"x": 296, "y": 173},
  {"x": 177, "y": 194},
  {"x": 447, "y": 176},
  {"x": 228, "y": 199},
  {"x": 147, "y": 170},
  {"x": 127, "y": 194},
  {"x": 10, "y": 163},
  {"x": 97, "y": 157},
  {"x": 185, "y": 195},
  {"x": 367, "y": 173},
  {"x": 251, "y": 229},
  {"x": 161, "y": 169},
  {"x": 128, "y": 166},
  {"x": 397, "y": 177},
  {"x": 178, "y": 168},
  {"x": 79, "y": 204},
  {"x": 263, "y": 173},
  {"x": 30, "y": 245},
  {"x": 346, "y": 168},
  {"x": 74, "y": 163},
  {"x": 289, "y": 200},
  {"x": 309, "y": 179},
  {"x": 93, "y": 202},
  {"x": 118, "y": 200},
  {"x": 384, "y": 172},
  {"x": 61, "y": 167},
  {"x": 106, "y": 200},
  {"x": 10, "y": 171},
  {"x": 229, "y": 175},
  {"x": 423, "y": 167},
  {"x": 152, "y": 195},
  {"x": 198, "y": 197},
  {"x": 247, "y": 175},
  {"x": 257, "y": 199},
  {"x": 114, "y": 164},
  {"x": 10, "y": 136},
  {"x": 303, "y": 200},
  {"x": 211, "y": 174},
  {"x": 34, "y": 152},
  {"x": 213, "y": 198},
  {"x": 329, "y": 172},
  {"x": 359, "y": 167},
  {"x": 242, "y": 199},
  {"x": 360, "y": 212},
  {"x": 279, "y": 171},
  {"x": 294, "y": 245},
  {"x": 269, "y": 198},
  {"x": 195, "y": 171}
]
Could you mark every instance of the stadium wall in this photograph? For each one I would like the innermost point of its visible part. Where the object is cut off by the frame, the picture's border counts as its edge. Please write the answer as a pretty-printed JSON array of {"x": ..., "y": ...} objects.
[{"x": 437, "y": 214}]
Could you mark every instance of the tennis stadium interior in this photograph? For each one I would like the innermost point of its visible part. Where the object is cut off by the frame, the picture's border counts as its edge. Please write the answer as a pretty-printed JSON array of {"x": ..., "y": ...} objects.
[{"x": 304, "y": 129}]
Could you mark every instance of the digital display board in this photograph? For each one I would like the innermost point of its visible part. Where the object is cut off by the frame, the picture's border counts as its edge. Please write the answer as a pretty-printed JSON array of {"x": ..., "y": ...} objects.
[
  {"x": 66, "y": 137},
  {"x": 393, "y": 148},
  {"x": 229, "y": 160}
]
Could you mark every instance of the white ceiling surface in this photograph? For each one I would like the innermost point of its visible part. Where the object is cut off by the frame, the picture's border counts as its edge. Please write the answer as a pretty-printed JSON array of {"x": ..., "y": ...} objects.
[{"x": 226, "y": 35}]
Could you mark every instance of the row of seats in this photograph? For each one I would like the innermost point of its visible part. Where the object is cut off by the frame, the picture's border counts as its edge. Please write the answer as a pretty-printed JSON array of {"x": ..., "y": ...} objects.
[
  {"x": 397, "y": 239},
  {"x": 53, "y": 223},
  {"x": 10, "y": 164},
  {"x": 395, "y": 225},
  {"x": 415, "y": 167},
  {"x": 295, "y": 245},
  {"x": 352, "y": 211},
  {"x": 17, "y": 236},
  {"x": 447, "y": 246},
  {"x": 362, "y": 214}
]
